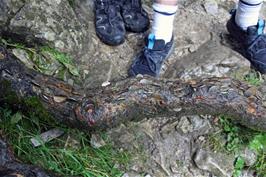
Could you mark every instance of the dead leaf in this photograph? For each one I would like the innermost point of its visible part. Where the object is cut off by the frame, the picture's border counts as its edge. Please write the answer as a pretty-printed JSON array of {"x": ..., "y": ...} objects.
[
  {"x": 59, "y": 99},
  {"x": 2, "y": 56},
  {"x": 251, "y": 109},
  {"x": 46, "y": 137},
  {"x": 17, "y": 175}
]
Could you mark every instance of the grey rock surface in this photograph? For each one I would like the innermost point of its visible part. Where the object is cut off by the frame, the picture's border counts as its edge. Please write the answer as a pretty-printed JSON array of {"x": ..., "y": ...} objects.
[
  {"x": 248, "y": 173},
  {"x": 159, "y": 148},
  {"x": 51, "y": 21},
  {"x": 211, "y": 7},
  {"x": 9, "y": 8},
  {"x": 218, "y": 164},
  {"x": 249, "y": 156}
]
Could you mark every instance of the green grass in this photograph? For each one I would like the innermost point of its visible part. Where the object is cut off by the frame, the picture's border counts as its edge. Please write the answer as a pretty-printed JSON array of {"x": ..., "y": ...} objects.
[
  {"x": 59, "y": 155},
  {"x": 71, "y": 2},
  {"x": 238, "y": 137},
  {"x": 254, "y": 78},
  {"x": 239, "y": 166},
  {"x": 63, "y": 58},
  {"x": 258, "y": 144},
  {"x": 45, "y": 58}
]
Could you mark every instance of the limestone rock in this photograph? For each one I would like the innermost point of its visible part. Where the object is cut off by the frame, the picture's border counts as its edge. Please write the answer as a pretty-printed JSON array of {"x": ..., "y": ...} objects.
[
  {"x": 190, "y": 124},
  {"x": 158, "y": 148},
  {"x": 247, "y": 173},
  {"x": 218, "y": 164},
  {"x": 51, "y": 22},
  {"x": 249, "y": 156},
  {"x": 8, "y": 8}
]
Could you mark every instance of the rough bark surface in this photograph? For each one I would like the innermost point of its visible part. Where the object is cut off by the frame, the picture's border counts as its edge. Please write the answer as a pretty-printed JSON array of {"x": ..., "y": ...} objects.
[
  {"x": 10, "y": 167},
  {"x": 130, "y": 99}
]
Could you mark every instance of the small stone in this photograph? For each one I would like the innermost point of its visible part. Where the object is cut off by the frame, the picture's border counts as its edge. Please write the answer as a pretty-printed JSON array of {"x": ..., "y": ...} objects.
[
  {"x": 202, "y": 138},
  {"x": 96, "y": 141},
  {"x": 131, "y": 174},
  {"x": 264, "y": 104},
  {"x": 249, "y": 156},
  {"x": 192, "y": 48},
  {"x": 184, "y": 125},
  {"x": 211, "y": 7},
  {"x": 145, "y": 81},
  {"x": 70, "y": 82},
  {"x": 125, "y": 175},
  {"x": 250, "y": 92},
  {"x": 86, "y": 72},
  {"x": 136, "y": 167},
  {"x": 105, "y": 84},
  {"x": 139, "y": 76},
  {"x": 178, "y": 109},
  {"x": 247, "y": 173}
]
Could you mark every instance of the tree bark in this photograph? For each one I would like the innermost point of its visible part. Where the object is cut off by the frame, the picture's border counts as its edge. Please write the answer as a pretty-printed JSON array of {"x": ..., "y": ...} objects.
[
  {"x": 133, "y": 98},
  {"x": 9, "y": 167}
]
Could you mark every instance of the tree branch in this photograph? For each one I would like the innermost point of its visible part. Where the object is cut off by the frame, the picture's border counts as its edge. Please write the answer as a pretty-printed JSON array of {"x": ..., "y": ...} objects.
[{"x": 130, "y": 99}]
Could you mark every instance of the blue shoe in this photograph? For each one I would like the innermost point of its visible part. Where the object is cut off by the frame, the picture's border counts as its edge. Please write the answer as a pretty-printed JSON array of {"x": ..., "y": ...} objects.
[
  {"x": 150, "y": 60},
  {"x": 252, "y": 41}
]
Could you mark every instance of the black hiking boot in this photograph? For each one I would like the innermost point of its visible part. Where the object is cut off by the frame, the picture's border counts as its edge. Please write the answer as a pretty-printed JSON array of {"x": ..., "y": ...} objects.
[
  {"x": 136, "y": 19},
  {"x": 252, "y": 42},
  {"x": 109, "y": 23},
  {"x": 150, "y": 60}
]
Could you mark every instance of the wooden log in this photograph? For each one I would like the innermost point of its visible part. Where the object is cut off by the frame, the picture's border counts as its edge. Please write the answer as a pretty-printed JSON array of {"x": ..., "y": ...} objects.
[{"x": 133, "y": 98}]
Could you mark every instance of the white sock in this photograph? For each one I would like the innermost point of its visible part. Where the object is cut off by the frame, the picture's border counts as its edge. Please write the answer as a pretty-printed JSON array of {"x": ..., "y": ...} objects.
[
  {"x": 247, "y": 13},
  {"x": 162, "y": 26}
]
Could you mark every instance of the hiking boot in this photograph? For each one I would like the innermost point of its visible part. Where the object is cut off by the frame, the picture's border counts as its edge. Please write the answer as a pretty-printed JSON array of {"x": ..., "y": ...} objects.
[
  {"x": 136, "y": 19},
  {"x": 150, "y": 60},
  {"x": 252, "y": 41},
  {"x": 109, "y": 22}
]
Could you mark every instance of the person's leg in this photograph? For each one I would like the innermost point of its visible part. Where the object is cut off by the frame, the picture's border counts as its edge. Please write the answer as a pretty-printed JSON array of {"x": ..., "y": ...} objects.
[
  {"x": 247, "y": 13},
  {"x": 160, "y": 42},
  {"x": 246, "y": 28},
  {"x": 164, "y": 14}
]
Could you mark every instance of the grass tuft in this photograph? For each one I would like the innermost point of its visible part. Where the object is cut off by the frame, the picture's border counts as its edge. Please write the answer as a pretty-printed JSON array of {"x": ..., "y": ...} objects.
[
  {"x": 60, "y": 155},
  {"x": 238, "y": 137},
  {"x": 254, "y": 78},
  {"x": 45, "y": 59}
]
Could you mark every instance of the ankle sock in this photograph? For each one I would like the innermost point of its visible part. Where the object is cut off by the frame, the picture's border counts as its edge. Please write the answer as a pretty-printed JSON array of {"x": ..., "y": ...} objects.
[
  {"x": 163, "y": 20},
  {"x": 247, "y": 13}
]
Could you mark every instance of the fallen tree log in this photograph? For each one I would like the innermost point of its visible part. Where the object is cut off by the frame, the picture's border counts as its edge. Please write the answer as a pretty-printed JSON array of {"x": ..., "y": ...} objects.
[
  {"x": 9, "y": 167},
  {"x": 130, "y": 99}
]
